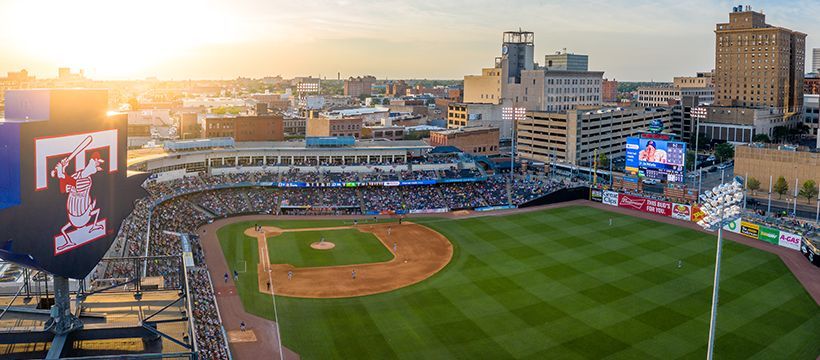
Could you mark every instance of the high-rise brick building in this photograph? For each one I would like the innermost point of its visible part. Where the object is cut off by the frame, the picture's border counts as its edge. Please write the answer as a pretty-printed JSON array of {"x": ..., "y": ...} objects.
[{"x": 757, "y": 64}]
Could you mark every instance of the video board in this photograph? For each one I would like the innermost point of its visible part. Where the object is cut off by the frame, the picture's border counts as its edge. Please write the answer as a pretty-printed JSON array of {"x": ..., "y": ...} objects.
[{"x": 656, "y": 159}]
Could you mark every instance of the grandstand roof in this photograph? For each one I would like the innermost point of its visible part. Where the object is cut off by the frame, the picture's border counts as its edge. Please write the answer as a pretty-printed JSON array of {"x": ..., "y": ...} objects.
[{"x": 445, "y": 150}]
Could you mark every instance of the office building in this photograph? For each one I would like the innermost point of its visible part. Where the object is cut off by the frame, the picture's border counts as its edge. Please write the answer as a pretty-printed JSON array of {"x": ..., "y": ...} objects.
[
  {"x": 609, "y": 90},
  {"x": 655, "y": 96},
  {"x": 471, "y": 114},
  {"x": 476, "y": 140},
  {"x": 740, "y": 124},
  {"x": 396, "y": 88},
  {"x": 683, "y": 123},
  {"x": 761, "y": 161},
  {"x": 700, "y": 80},
  {"x": 562, "y": 60},
  {"x": 393, "y": 133},
  {"x": 369, "y": 115},
  {"x": 245, "y": 128},
  {"x": 334, "y": 126},
  {"x": 295, "y": 126},
  {"x": 484, "y": 88},
  {"x": 516, "y": 81},
  {"x": 758, "y": 78},
  {"x": 189, "y": 127},
  {"x": 359, "y": 86},
  {"x": 574, "y": 136},
  {"x": 758, "y": 64},
  {"x": 815, "y": 63},
  {"x": 811, "y": 85},
  {"x": 307, "y": 85},
  {"x": 811, "y": 112}
]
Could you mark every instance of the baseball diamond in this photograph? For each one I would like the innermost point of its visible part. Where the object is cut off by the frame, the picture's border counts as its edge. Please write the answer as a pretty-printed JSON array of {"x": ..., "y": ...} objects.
[{"x": 555, "y": 283}]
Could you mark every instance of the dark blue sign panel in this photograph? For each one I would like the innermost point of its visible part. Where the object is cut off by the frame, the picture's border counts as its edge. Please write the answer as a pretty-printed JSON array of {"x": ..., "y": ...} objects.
[{"x": 9, "y": 165}]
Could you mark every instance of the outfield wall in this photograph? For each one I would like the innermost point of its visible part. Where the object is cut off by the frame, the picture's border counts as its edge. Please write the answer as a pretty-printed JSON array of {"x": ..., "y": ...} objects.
[
  {"x": 559, "y": 196},
  {"x": 692, "y": 213}
]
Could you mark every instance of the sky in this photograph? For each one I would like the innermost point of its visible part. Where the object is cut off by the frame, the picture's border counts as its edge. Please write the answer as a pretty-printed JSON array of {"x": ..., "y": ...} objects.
[{"x": 637, "y": 40}]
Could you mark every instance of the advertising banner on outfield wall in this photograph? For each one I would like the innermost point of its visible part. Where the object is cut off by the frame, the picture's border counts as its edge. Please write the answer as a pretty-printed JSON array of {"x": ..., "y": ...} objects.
[
  {"x": 749, "y": 230},
  {"x": 610, "y": 198},
  {"x": 596, "y": 195},
  {"x": 769, "y": 235},
  {"x": 789, "y": 240},
  {"x": 733, "y": 226},
  {"x": 651, "y": 206},
  {"x": 697, "y": 213},
  {"x": 682, "y": 212}
]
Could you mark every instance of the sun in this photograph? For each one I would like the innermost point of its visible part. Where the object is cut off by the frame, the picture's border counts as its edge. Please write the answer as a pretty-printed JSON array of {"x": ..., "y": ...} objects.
[{"x": 115, "y": 38}]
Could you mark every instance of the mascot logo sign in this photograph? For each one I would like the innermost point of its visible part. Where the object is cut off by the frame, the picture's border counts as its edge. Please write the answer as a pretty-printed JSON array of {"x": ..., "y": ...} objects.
[{"x": 80, "y": 161}]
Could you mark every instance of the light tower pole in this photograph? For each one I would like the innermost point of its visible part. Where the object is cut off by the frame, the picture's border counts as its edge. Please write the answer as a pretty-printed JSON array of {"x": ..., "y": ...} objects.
[{"x": 721, "y": 206}]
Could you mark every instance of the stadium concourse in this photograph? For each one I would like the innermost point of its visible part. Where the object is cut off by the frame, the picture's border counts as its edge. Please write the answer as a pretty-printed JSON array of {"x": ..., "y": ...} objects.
[{"x": 181, "y": 205}]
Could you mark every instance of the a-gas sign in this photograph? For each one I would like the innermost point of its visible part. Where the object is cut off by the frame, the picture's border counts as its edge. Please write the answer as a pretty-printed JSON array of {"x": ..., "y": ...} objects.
[{"x": 70, "y": 178}]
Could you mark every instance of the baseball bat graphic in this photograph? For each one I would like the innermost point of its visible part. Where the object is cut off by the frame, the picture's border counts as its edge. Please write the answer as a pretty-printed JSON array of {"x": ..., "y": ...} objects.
[{"x": 83, "y": 144}]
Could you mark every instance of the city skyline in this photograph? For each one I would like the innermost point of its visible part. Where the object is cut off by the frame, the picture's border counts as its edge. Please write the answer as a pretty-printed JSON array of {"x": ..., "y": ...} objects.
[{"x": 632, "y": 41}]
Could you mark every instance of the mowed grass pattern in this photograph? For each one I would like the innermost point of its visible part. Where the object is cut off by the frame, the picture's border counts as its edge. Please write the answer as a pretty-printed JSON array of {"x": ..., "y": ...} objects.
[
  {"x": 352, "y": 247},
  {"x": 560, "y": 284}
]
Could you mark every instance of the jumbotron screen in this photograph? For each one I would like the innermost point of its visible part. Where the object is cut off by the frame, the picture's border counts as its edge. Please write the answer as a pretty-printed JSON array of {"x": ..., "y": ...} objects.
[{"x": 656, "y": 159}]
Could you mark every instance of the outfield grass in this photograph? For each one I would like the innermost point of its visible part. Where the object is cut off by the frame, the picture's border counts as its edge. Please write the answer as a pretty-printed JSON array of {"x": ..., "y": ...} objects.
[
  {"x": 563, "y": 284},
  {"x": 352, "y": 247}
]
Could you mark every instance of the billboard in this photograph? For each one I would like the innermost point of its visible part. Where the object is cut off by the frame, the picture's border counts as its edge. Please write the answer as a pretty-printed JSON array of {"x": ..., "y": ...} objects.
[
  {"x": 733, "y": 226},
  {"x": 697, "y": 213},
  {"x": 651, "y": 206},
  {"x": 656, "y": 159},
  {"x": 789, "y": 240},
  {"x": 72, "y": 184},
  {"x": 610, "y": 198},
  {"x": 681, "y": 211},
  {"x": 749, "y": 230},
  {"x": 596, "y": 195}
]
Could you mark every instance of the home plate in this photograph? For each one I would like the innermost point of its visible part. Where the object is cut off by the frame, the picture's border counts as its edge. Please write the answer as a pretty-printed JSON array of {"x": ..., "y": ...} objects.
[
  {"x": 239, "y": 336},
  {"x": 80, "y": 236}
]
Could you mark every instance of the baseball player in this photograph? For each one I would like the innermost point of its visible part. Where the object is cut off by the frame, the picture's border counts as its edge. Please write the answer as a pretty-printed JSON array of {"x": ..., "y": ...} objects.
[{"x": 79, "y": 206}]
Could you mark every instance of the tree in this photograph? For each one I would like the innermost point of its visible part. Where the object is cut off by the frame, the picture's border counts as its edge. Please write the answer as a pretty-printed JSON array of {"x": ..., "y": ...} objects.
[
  {"x": 762, "y": 138},
  {"x": 724, "y": 151},
  {"x": 809, "y": 190},
  {"x": 690, "y": 160},
  {"x": 753, "y": 184},
  {"x": 703, "y": 141},
  {"x": 780, "y": 187},
  {"x": 603, "y": 161},
  {"x": 779, "y": 133}
]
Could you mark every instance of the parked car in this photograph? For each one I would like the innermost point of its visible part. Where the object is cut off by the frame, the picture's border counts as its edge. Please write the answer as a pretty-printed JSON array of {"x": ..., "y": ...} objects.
[
  {"x": 724, "y": 166},
  {"x": 713, "y": 169}
]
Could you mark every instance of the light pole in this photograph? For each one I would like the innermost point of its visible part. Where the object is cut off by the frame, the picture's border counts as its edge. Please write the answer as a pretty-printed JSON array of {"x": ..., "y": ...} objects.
[{"x": 721, "y": 207}]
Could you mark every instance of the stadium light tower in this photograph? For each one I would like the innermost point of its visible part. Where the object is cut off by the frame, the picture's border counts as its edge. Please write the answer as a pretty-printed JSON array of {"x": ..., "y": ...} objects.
[
  {"x": 698, "y": 113},
  {"x": 721, "y": 206},
  {"x": 514, "y": 115}
]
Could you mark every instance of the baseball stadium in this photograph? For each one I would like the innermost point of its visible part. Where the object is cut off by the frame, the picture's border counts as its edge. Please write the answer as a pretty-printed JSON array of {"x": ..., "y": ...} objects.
[{"x": 338, "y": 248}]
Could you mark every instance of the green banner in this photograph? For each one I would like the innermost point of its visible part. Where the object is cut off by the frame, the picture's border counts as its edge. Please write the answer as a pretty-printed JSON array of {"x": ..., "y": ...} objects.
[{"x": 769, "y": 235}]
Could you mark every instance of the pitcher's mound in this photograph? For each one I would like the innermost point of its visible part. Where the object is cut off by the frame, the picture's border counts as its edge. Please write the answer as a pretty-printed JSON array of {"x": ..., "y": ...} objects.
[{"x": 326, "y": 245}]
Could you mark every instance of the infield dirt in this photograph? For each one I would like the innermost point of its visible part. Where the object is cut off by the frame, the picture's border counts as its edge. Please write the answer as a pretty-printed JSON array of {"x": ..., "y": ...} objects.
[{"x": 420, "y": 253}]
